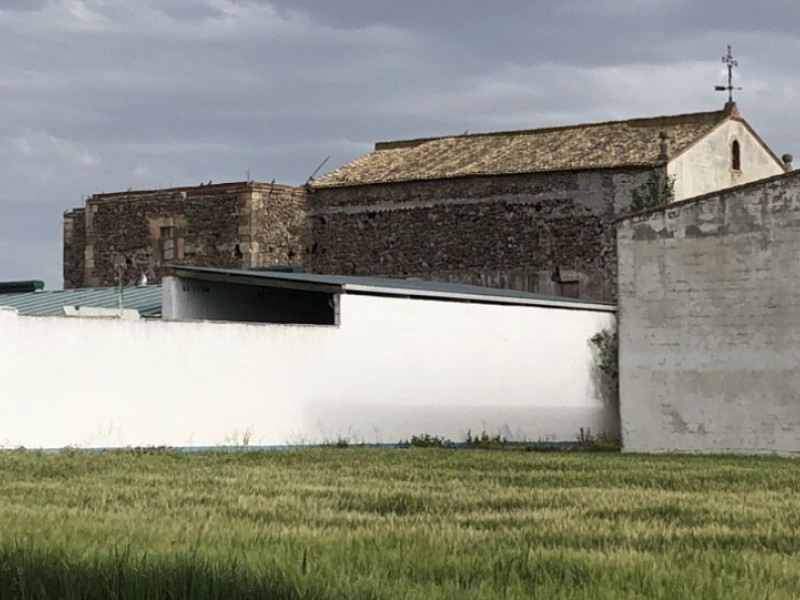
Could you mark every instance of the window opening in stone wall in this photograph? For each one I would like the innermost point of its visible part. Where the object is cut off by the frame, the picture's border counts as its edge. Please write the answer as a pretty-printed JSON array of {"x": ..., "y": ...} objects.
[
  {"x": 569, "y": 289},
  {"x": 168, "y": 243},
  {"x": 736, "y": 158}
]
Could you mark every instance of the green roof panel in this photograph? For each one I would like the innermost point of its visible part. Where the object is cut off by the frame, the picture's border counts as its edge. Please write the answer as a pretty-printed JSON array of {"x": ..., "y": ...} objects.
[{"x": 42, "y": 303}]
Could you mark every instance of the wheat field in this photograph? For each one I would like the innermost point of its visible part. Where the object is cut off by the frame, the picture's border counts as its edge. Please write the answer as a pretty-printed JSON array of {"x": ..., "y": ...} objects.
[{"x": 365, "y": 523}]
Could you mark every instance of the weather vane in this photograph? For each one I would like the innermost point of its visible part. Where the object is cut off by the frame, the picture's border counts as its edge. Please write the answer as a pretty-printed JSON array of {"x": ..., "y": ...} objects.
[{"x": 730, "y": 63}]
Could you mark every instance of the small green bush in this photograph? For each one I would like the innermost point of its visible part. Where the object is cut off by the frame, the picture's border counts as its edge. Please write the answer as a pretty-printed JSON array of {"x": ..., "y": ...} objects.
[
  {"x": 601, "y": 442},
  {"x": 426, "y": 440},
  {"x": 656, "y": 191},
  {"x": 607, "y": 344},
  {"x": 484, "y": 441}
]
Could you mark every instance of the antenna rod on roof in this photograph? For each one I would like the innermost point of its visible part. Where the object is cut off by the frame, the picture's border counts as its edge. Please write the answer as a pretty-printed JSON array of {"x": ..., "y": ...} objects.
[
  {"x": 119, "y": 266},
  {"x": 311, "y": 177}
]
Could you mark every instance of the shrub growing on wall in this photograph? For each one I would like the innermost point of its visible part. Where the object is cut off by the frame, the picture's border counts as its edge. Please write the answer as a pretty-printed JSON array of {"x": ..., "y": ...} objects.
[
  {"x": 659, "y": 189},
  {"x": 607, "y": 344},
  {"x": 606, "y": 369}
]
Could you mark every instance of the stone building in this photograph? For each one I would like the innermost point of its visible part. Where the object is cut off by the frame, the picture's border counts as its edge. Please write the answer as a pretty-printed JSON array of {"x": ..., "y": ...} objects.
[
  {"x": 709, "y": 322},
  {"x": 235, "y": 225},
  {"x": 531, "y": 210}
]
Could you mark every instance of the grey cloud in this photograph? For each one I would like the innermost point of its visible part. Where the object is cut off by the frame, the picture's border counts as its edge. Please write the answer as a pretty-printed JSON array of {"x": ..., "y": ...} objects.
[
  {"x": 22, "y": 5},
  {"x": 22, "y": 260},
  {"x": 570, "y": 31},
  {"x": 101, "y": 96}
]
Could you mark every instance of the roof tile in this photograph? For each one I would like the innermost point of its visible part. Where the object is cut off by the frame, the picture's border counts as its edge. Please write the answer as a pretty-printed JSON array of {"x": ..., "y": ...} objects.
[{"x": 634, "y": 142}]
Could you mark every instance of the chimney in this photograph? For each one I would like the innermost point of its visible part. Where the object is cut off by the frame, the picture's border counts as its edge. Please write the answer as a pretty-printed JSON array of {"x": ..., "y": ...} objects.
[{"x": 787, "y": 161}]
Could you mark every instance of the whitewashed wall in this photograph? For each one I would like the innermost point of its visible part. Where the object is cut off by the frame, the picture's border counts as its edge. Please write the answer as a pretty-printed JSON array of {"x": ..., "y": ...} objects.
[
  {"x": 706, "y": 166},
  {"x": 393, "y": 369}
]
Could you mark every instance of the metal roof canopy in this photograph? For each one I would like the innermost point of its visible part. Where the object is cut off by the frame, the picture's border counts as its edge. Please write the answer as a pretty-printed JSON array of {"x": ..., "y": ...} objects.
[
  {"x": 384, "y": 286},
  {"x": 146, "y": 299},
  {"x": 21, "y": 287}
]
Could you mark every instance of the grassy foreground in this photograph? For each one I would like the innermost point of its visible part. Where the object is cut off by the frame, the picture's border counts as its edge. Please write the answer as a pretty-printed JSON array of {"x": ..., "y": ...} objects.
[{"x": 416, "y": 523}]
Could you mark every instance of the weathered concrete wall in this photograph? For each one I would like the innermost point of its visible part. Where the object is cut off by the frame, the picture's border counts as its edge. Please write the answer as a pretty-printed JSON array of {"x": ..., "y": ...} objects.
[
  {"x": 236, "y": 225},
  {"x": 392, "y": 369},
  {"x": 510, "y": 231},
  {"x": 709, "y": 310},
  {"x": 707, "y": 166}
]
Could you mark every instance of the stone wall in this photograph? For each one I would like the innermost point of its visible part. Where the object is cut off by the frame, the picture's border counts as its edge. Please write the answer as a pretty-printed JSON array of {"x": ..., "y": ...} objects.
[
  {"x": 548, "y": 233},
  {"x": 709, "y": 313},
  {"x": 196, "y": 226},
  {"x": 279, "y": 226},
  {"x": 74, "y": 247},
  {"x": 230, "y": 225}
]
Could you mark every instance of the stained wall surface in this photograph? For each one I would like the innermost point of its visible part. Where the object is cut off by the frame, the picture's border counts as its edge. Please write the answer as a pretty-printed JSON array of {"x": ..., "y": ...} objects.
[
  {"x": 543, "y": 233},
  {"x": 230, "y": 225},
  {"x": 708, "y": 165},
  {"x": 74, "y": 266},
  {"x": 547, "y": 233},
  {"x": 709, "y": 312},
  {"x": 460, "y": 209},
  {"x": 392, "y": 369}
]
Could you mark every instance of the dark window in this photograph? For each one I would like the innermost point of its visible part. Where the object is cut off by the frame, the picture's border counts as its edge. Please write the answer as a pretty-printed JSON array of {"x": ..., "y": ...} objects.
[
  {"x": 569, "y": 289},
  {"x": 736, "y": 157}
]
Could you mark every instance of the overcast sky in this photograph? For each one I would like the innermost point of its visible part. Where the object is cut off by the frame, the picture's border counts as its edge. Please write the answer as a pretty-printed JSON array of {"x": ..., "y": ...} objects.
[{"x": 104, "y": 95}]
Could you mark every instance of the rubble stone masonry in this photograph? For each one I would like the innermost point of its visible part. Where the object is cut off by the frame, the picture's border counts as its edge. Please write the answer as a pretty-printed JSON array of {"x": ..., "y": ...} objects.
[
  {"x": 74, "y": 247},
  {"x": 546, "y": 232},
  {"x": 220, "y": 225}
]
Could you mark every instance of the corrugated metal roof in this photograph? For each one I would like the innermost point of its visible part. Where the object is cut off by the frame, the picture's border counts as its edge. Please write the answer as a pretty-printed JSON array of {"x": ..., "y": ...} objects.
[
  {"x": 146, "y": 299},
  {"x": 353, "y": 284}
]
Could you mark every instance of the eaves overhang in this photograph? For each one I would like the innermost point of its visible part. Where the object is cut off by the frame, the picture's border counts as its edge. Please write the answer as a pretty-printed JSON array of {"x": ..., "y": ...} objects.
[{"x": 387, "y": 287}]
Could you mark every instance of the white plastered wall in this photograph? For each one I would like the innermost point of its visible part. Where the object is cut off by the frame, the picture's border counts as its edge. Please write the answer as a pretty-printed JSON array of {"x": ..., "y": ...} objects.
[
  {"x": 393, "y": 369},
  {"x": 707, "y": 166}
]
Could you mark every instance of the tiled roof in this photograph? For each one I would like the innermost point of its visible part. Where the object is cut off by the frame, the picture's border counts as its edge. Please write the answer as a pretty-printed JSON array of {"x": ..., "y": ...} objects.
[{"x": 634, "y": 142}]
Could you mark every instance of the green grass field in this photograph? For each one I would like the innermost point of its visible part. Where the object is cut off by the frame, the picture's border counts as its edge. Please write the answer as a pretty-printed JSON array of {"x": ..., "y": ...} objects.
[{"x": 414, "y": 523}]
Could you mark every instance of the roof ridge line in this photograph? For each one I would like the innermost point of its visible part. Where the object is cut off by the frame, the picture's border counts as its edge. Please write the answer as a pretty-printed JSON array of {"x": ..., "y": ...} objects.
[{"x": 636, "y": 122}]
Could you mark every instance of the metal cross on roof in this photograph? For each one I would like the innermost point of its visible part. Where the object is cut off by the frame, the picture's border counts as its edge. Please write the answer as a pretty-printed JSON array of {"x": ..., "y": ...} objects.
[{"x": 730, "y": 63}]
